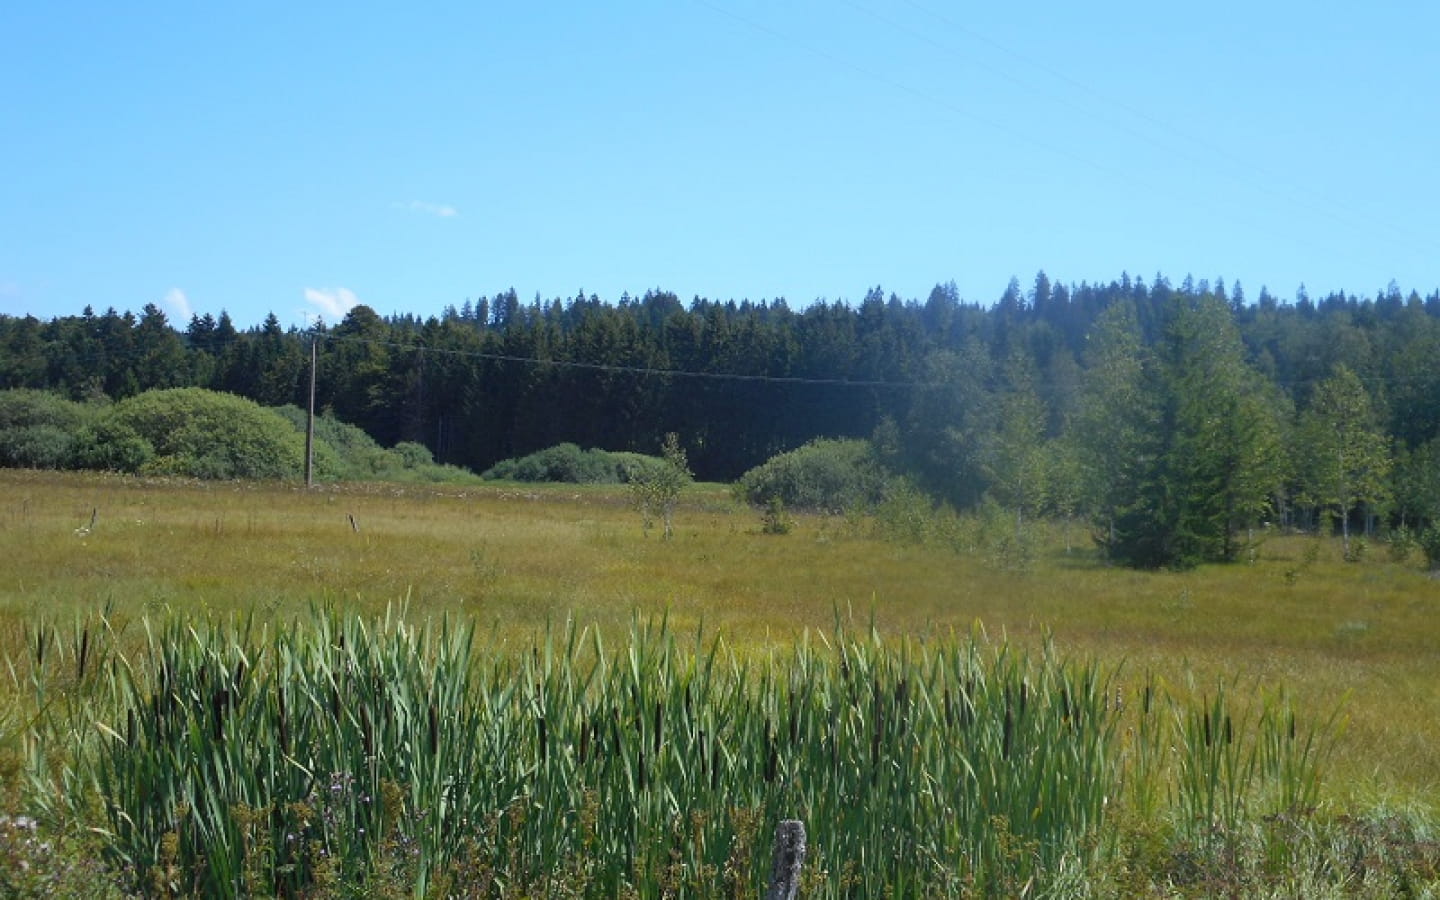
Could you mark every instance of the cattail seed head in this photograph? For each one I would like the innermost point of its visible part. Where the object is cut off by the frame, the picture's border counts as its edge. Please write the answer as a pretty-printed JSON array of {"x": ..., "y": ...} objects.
[
  {"x": 84, "y": 652},
  {"x": 1007, "y": 733},
  {"x": 284, "y": 724}
]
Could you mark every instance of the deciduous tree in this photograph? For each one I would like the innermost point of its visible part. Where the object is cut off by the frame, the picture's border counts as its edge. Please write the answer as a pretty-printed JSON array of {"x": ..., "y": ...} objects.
[{"x": 1345, "y": 459}]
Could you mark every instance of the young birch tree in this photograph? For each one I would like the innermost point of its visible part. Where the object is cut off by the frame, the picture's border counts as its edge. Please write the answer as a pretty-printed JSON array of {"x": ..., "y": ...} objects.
[
  {"x": 1016, "y": 455},
  {"x": 656, "y": 491}
]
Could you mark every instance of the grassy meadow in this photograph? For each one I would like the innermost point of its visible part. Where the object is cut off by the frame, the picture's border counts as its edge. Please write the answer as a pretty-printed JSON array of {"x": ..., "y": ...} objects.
[{"x": 1354, "y": 645}]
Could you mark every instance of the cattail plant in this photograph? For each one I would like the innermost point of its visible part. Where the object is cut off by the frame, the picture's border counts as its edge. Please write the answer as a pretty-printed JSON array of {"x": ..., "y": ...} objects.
[{"x": 230, "y": 758}]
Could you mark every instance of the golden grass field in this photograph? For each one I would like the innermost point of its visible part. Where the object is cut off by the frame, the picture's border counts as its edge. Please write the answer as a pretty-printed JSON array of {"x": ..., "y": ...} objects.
[{"x": 1365, "y": 634}]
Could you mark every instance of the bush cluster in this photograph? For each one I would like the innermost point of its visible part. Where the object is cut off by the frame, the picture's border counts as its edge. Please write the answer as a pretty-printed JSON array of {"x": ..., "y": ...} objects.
[
  {"x": 1429, "y": 541},
  {"x": 40, "y": 430},
  {"x": 822, "y": 476},
  {"x": 196, "y": 433},
  {"x": 569, "y": 464},
  {"x": 204, "y": 434},
  {"x": 352, "y": 455}
]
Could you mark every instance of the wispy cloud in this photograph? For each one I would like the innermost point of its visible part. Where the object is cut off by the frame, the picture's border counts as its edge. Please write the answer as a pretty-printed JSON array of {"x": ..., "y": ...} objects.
[
  {"x": 178, "y": 305},
  {"x": 332, "y": 303},
  {"x": 439, "y": 210}
]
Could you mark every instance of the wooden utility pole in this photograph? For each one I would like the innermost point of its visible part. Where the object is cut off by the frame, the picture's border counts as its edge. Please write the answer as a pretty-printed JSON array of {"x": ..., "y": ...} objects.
[{"x": 310, "y": 420}]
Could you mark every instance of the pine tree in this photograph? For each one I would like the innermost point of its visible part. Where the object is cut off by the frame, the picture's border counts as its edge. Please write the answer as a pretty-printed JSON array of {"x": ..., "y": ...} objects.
[
  {"x": 160, "y": 355},
  {"x": 1225, "y": 444},
  {"x": 1182, "y": 447}
]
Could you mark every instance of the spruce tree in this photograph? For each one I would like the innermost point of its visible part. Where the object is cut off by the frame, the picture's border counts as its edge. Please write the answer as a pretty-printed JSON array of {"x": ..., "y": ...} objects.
[{"x": 1182, "y": 448}]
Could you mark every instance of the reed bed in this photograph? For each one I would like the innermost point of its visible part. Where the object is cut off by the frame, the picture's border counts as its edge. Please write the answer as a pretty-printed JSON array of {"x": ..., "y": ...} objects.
[{"x": 336, "y": 755}]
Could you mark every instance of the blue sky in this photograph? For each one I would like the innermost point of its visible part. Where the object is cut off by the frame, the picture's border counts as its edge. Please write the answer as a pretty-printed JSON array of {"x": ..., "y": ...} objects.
[{"x": 300, "y": 157}]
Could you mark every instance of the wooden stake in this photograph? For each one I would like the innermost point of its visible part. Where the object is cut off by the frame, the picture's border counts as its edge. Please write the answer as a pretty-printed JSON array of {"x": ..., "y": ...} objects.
[{"x": 789, "y": 857}]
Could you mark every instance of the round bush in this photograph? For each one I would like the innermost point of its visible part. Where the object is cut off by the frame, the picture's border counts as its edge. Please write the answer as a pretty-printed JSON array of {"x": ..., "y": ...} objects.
[
  {"x": 1429, "y": 542},
  {"x": 413, "y": 455},
  {"x": 633, "y": 467},
  {"x": 569, "y": 464},
  {"x": 205, "y": 434},
  {"x": 39, "y": 430},
  {"x": 111, "y": 445},
  {"x": 824, "y": 475},
  {"x": 37, "y": 447}
]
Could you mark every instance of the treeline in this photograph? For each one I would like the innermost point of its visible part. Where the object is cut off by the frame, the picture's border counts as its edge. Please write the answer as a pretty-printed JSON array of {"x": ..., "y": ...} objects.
[{"x": 1175, "y": 417}]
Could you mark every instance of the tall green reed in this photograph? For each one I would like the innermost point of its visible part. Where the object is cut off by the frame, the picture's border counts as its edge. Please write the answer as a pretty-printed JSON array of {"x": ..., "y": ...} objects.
[{"x": 234, "y": 757}]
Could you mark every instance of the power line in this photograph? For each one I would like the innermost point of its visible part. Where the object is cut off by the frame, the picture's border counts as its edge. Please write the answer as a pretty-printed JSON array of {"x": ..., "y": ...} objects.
[
  {"x": 778, "y": 379},
  {"x": 636, "y": 370}
]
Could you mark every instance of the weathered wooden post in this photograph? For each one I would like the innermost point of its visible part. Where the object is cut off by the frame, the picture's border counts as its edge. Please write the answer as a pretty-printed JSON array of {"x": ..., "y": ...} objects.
[{"x": 789, "y": 857}]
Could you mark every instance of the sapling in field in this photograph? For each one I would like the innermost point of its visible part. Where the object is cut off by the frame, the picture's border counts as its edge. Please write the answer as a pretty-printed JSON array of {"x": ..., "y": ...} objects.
[
  {"x": 1429, "y": 541},
  {"x": 656, "y": 491}
]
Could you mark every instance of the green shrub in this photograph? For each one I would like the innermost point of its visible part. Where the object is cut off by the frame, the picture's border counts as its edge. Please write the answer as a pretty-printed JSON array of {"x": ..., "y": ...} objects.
[
  {"x": 567, "y": 463},
  {"x": 39, "y": 430},
  {"x": 37, "y": 447},
  {"x": 563, "y": 462},
  {"x": 1429, "y": 542},
  {"x": 1401, "y": 544},
  {"x": 775, "y": 521},
  {"x": 413, "y": 455},
  {"x": 349, "y": 452},
  {"x": 633, "y": 467},
  {"x": 906, "y": 514},
  {"x": 824, "y": 475},
  {"x": 24, "y": 408},
  {"x": 205, "y": 434},
  {"x": 111, "y": 445},
  {"x": 1357, "y": 551},
  {"x": 36, "y": 862},
  {"x": 345, "y": 452}
]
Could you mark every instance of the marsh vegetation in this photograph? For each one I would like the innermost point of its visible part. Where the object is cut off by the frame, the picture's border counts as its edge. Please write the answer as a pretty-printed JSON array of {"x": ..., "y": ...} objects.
[{"x": 228, "y": 688}]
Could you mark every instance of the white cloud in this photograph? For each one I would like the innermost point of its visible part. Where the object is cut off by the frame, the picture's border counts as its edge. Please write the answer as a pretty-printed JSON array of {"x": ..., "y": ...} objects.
[
  {"x": 177, "y": 305},
  {"x": 333, "y": 303},
  {"x": 440, "y": 210}
]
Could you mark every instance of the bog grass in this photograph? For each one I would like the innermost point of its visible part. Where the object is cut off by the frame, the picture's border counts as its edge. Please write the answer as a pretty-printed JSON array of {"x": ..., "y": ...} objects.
[{"x": 1236, "y": 697}]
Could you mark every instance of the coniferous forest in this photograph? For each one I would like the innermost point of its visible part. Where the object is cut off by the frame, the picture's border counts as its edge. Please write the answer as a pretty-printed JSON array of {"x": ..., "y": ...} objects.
[{"x": 1175, "y": 419}]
